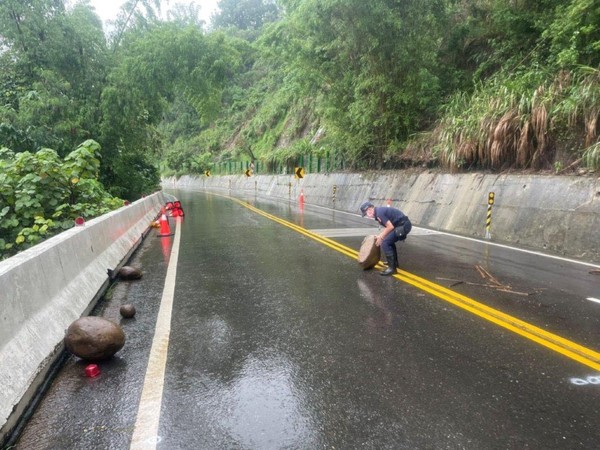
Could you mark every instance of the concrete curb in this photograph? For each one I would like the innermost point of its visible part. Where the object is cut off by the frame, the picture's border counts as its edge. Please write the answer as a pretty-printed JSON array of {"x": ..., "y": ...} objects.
[
  {"x": 47, "y": 287},
  {"x": 557, "y": 214}
]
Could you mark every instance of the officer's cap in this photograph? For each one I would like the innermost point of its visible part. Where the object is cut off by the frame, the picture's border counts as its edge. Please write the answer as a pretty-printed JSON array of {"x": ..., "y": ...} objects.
[{"x": 364, "y": 207}]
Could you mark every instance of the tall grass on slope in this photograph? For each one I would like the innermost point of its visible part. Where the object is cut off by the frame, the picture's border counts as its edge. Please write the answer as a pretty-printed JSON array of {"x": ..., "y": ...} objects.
[
  {"x": 519, "y": 121},
  {"x": 591, "y": 156}
]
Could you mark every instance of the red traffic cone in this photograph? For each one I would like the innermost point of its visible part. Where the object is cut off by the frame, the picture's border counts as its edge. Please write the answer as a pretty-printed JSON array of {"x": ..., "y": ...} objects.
[
  {"x": 165, "y": 229},
  {"x": 302, "y": 198},
  {"x": 178, "y": 208}
]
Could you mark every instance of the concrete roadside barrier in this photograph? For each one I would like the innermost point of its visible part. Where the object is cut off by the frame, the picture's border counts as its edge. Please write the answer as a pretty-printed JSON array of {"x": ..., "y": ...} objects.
[{"x": 45, "y": 288}]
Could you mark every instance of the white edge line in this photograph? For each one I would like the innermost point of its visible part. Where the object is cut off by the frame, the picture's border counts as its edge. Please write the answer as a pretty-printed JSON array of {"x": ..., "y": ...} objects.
[
  {"x": 592, "y": 299},
  {"x": 145, "y": 433}
]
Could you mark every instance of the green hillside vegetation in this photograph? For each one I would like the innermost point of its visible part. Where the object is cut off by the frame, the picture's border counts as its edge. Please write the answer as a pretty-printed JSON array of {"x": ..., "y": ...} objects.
[{"x": 457, "y": 85}]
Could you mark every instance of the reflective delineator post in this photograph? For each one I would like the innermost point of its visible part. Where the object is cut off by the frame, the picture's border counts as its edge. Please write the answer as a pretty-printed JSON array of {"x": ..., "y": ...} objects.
[
  {"x": 488, "y": 220},
  {"x": 92, "y": 370},
  {"x": 334, "y": 194}
]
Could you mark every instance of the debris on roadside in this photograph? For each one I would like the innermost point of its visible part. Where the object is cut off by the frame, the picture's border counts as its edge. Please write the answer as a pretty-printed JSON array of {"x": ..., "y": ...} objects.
[{"x": 491, "y": 282}]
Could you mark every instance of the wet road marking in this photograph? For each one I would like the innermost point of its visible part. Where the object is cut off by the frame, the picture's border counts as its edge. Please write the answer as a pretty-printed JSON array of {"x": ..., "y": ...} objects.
[
  {"x": 570, "y": 349},
  {"x": 345, "y": 232},
  {"x": 145, "y": 433},
  {"x": 592, "y": 299},
  {"x": 522, "y": 250},
  {"x": 353, "y": 232},
  {"x": 593, "y": 379}
]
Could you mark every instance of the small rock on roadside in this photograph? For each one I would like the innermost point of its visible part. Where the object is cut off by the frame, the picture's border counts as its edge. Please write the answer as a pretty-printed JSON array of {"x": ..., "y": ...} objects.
[{"x": 127, "y": 311}]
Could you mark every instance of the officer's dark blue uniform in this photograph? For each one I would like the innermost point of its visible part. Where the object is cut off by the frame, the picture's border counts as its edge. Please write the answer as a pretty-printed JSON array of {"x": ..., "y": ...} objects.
[{"x": 402, "y": 226}]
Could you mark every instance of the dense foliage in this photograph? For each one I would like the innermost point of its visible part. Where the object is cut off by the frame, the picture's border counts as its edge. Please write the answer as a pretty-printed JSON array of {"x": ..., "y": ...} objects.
[
  {"x": 42, "y": 194},
  {"x": 472, "y": 84},
  {"x": 469, "y": 84}
]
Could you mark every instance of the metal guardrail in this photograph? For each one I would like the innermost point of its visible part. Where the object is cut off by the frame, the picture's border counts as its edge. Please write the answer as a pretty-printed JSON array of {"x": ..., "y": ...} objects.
[{"x": 311, "y": 164}]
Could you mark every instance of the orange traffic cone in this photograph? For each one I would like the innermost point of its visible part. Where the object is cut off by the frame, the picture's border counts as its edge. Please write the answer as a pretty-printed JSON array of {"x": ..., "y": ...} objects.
[
  {"x": 302, "y": 198},
  {"x": 177, "y": 210},
  {"x": 165, "y": 229}
]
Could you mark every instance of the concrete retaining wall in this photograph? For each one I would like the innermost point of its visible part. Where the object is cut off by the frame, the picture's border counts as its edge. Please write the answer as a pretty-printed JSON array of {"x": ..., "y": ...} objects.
[
  {"x": 45, "y": 288},
  {"x": 558, "y": 214}
]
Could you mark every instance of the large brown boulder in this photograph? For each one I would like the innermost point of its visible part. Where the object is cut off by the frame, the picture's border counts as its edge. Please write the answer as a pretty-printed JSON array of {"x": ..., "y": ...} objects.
[
  {"x": 369, "y": 253},
  {"x": 94, "y": 338}
]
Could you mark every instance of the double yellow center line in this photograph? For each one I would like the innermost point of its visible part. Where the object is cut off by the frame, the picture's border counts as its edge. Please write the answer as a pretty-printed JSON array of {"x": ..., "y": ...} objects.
[{"x": 552, "y": 341}]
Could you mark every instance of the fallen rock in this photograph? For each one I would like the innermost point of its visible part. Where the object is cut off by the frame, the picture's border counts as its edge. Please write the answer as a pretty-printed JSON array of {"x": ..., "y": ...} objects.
[
  {"x": 130, "y": 273},
  {"x": 94, "y": 338},
  {"x": 369, "y": 253},
  {"x": 127, "y": 311},
  {"x": 125, "y": 273}
]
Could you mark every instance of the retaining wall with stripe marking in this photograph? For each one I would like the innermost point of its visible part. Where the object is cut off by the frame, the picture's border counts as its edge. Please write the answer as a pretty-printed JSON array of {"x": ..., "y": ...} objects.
[
  {"x": 558, "y": 214},
  {"x": 45, "y": 288}
]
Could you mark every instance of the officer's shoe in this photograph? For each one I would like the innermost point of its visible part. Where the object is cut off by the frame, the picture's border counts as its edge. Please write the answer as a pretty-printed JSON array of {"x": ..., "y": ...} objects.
[{"x": 389, "y": 271}]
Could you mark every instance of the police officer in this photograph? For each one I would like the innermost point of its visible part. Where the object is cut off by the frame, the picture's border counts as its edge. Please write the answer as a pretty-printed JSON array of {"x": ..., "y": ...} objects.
[{"x": 396, "y": 226}]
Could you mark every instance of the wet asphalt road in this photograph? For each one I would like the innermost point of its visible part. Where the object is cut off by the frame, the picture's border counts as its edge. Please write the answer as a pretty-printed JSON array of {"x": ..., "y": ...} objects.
[{"x": 278, "y": 341}]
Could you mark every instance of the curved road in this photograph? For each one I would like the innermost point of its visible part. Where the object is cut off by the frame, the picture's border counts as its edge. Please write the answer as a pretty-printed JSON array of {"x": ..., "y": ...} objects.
[{"x": 266, "y": 334}]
